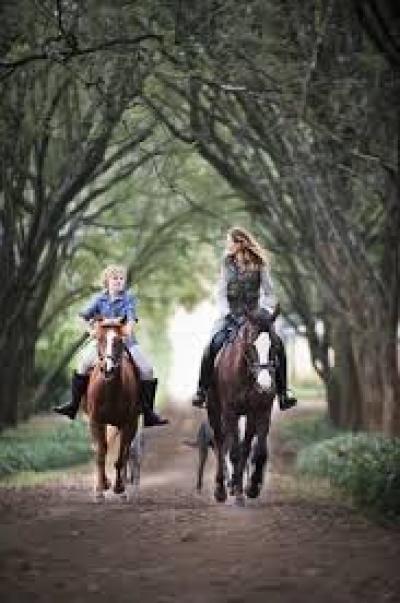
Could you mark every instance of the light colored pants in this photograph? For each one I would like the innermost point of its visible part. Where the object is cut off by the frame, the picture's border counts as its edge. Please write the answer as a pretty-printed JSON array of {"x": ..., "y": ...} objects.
[{"x": 88, "y": 356}]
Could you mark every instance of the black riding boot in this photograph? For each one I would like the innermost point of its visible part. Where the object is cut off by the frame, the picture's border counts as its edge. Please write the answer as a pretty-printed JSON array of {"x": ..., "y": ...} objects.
[
  {"x": 286, "y": 400},
  {"x": 206, "y": 367},
  {"x": 78, "y": 389},
  {"x": 147, "y": 395}
]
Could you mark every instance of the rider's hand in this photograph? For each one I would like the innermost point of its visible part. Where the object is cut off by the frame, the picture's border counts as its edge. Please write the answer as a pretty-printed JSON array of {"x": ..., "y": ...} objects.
[
  {"x": 127, "y": 329},
  {"x": 90, "y": 327},
  {"x": 91, "y": 331}
]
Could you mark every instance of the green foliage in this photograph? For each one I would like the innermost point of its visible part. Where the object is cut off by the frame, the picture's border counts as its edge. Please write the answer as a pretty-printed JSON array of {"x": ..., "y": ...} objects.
[
  {"x": 163, "y": 226},
  {"x": 365, "y": 466},
  {"x": 303, "y": 432},
  {"x": 32, "y": 449}
]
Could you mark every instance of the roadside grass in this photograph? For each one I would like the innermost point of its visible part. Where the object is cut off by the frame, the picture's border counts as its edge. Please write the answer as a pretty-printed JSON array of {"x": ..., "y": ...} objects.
[
  {"x": 41, "y": 445},
  {"x": 364, "y": 468}
]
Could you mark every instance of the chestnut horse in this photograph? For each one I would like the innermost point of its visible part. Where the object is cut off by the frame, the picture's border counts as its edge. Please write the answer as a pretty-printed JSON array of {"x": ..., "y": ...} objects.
[
  {"x": 243, "y": 385},
  {"x": 112, "y": 399}
]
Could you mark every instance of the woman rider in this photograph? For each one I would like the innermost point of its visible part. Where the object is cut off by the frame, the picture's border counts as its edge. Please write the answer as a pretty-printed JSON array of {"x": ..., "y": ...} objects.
[{"x": 244, "y": 286}]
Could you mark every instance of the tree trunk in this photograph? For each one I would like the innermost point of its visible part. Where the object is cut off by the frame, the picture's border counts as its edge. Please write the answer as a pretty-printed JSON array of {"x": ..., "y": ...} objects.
[
  {"x": 376, "y": 367},
  {"x": 12, "y": 381},
  {"x": 344, "y": 393}
]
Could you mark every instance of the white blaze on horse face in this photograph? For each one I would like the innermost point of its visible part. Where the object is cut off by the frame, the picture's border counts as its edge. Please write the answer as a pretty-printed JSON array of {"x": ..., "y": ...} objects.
[
  {"x": 263, "y": 345},
  {"x": 110, "y": 335}
]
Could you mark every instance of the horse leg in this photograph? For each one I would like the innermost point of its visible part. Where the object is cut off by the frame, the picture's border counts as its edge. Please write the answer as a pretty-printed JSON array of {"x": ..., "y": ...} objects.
[
  {"x": 220, "y": 491},
  {"x": 224, "y": 443},
  {"x": 245, "y": 448},
  {"x": 260, "y": 456},
  {"x": 134, "y": 459},
  {"x": 203, "y": 455},
  {"x": 100, "y": 444},
  {"x": 234, "y": 456},
  {"x": 127, "y": 435}
]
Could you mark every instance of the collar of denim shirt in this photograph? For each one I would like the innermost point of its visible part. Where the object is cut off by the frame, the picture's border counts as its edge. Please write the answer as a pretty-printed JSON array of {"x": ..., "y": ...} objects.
[{"x": 107, "y": 297}]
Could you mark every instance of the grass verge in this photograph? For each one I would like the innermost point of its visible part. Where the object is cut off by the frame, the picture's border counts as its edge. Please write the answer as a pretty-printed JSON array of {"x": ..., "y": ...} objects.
[
  {"x": 43, "y": 444},
  {"x": 364, "y": 467}
]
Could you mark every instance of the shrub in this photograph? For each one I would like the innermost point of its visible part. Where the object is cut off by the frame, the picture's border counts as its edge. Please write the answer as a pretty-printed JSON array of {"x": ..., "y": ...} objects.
[
  {"x": 363, "y": 465},
  {"x": 58, "y": 446}
]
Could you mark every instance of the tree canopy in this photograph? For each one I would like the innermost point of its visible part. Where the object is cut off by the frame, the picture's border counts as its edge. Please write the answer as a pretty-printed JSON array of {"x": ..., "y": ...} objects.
[{"x": 154, "y": 123}]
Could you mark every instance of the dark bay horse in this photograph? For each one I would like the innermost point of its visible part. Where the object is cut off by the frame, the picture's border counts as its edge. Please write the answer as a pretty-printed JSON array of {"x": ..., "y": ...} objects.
[
  {"x": 112, "y": 399},
  {"x": 243, "y": 385}
]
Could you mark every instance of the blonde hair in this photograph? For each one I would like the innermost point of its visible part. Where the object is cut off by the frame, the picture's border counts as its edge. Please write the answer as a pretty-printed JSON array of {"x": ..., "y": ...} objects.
[
  {"x": 111, "y": 270},
  {"x": 252, "y": 251}
]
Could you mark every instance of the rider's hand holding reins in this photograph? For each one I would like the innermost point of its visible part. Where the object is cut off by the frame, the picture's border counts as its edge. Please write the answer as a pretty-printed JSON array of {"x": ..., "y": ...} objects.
[
  {"x": 127, "y": 329},
  {"x": 90, "y": 327}
]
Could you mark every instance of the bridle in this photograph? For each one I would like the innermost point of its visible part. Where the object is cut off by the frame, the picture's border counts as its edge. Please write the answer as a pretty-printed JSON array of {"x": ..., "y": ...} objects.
[
  {"x": 108, "y": 361},
  {"x": 256, "y": 367},
  {"x": 253, "y": 365}
]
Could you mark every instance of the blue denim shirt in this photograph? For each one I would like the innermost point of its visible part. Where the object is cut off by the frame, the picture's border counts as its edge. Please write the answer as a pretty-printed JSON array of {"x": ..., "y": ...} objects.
[{"x": 124, "y": 305}]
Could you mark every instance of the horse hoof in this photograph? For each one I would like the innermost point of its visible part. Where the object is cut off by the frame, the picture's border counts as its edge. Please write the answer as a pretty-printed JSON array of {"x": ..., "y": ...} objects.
[
  {"x": 220, "y": 495},
  {"x": 253, "y": 491},
  {"x": 107, "y": 484},
  {"x": 239, "y": 500},
  {"x": 119, "y": 488}
]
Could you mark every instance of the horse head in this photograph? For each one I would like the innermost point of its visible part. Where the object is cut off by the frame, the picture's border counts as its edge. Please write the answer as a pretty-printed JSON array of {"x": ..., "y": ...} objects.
[
  {"x": 109, "y": 333},
  {"x": 258, "y": 351}
]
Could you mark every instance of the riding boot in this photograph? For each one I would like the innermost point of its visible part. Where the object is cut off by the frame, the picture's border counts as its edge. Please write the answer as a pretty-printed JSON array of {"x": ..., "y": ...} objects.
[
  {"x": 78, "y": 389},
  {"x": 147, "y": 395},
  {"x": 206, "y": 367},
  {"x": 285, "y": 398}
]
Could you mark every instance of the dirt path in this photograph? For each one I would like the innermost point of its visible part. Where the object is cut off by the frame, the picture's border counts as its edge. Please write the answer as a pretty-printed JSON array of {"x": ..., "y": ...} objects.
[{"x": 292, "y": 545}]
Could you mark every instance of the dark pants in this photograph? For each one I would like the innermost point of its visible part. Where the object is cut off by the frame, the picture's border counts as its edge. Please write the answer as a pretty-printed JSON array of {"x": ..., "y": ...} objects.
[{"x": 226, "y": 330}]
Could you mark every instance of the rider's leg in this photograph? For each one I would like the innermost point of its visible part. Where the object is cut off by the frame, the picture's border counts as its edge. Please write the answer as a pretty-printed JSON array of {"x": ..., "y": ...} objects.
[
  {"x": 286, "y": 399},
  {"x": 148, "y": 387},
  {"x": 207, "y": 365},
  {"x": 80, "y": 380}
]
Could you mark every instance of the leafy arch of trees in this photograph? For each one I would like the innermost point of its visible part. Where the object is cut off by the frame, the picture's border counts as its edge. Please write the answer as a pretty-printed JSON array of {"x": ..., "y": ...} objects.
[{"x": 294, "y": 105}]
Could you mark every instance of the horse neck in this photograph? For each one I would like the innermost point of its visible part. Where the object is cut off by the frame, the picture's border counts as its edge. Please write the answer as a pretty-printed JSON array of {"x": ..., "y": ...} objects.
[{"x": 239, "y": 349}]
